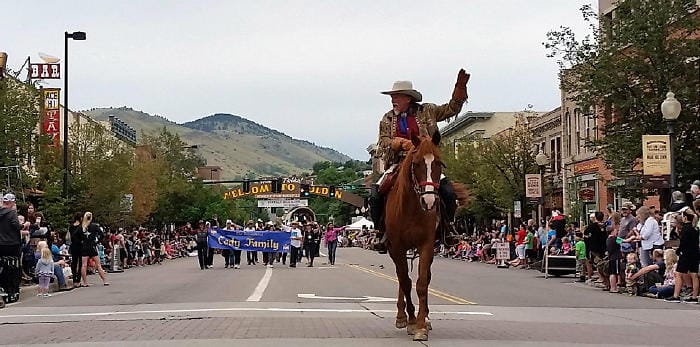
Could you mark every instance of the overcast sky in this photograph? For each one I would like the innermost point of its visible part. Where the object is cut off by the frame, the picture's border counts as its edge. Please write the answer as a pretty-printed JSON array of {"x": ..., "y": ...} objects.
[{"x": 311, "y": 69}]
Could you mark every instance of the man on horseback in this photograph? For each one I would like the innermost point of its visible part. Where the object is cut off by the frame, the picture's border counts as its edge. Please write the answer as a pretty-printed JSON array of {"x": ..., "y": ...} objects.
[{"x": 406, "y": 118}]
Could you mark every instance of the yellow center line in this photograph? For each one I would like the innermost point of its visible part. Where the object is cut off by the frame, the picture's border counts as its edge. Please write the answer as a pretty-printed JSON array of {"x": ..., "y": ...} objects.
[{"x": 434, "y": 292}]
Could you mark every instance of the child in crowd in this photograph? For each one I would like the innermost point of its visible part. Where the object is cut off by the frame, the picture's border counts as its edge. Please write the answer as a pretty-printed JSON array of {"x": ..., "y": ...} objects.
[
  {"x": 581, "y": 260},
  {"x": 566, "y": 246},
  {"x": 146, "y": 245},
  {"x": 614, "y": 258},
  {"x": 466, "y": 248},
  {"x": 44, "y": 271},
  {"x": 632, "y": 268},
  {"x": 472, "y": 253},
  {"x": 665, "y": 289},
  {"x": 101, "y": 253}
]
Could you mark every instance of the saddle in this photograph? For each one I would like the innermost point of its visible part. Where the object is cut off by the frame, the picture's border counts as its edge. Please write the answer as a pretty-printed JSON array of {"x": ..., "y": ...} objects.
[{"x": 388, "y": 182}]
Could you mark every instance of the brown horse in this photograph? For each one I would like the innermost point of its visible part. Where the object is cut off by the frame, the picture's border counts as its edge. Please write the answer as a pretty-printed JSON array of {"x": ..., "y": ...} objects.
[{"x": 412, "y": 214}]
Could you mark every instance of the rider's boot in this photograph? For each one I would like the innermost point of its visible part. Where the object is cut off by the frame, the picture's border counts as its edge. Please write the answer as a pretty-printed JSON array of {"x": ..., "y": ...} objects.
[
  {"x": 376, "y": 213},
  {"x": 448, "y": 235}
]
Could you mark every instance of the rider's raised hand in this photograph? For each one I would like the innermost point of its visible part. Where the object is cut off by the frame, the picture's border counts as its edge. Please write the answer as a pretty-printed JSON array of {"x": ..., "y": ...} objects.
[
  {"x": 460, "y": 92},
  {"x": 462, "y": 78}
]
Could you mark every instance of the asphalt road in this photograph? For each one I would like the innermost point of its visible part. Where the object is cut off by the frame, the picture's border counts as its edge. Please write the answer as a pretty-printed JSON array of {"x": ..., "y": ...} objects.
[{"x": 350, "y": 303}]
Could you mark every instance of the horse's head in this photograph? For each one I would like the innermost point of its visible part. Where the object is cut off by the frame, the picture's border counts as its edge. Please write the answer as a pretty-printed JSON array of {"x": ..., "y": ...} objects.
[{"x": 426, "y": 169}]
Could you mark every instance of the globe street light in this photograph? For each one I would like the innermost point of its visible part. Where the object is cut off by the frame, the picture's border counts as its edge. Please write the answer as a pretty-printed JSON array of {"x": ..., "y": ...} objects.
[
  {"x": 671, "y": 109},
  {"x": 78, "y": 36},
  {"x": 541, "y": 159}
]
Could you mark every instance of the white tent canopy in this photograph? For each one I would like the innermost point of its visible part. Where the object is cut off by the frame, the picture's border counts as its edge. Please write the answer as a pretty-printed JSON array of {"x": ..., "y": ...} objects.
[{"x": 359, "y": 224}]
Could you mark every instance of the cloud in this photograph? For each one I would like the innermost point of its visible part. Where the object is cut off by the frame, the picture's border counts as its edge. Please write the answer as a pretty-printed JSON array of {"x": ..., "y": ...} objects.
[{"x": 311, "y": 69}]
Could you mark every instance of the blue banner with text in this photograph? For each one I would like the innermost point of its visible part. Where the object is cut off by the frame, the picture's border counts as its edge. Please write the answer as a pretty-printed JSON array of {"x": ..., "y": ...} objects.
[{"x": 264, "y": 241}]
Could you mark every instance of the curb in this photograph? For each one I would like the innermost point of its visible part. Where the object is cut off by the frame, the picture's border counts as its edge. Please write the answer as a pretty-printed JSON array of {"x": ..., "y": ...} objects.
[{"x": 29, "y": 291}]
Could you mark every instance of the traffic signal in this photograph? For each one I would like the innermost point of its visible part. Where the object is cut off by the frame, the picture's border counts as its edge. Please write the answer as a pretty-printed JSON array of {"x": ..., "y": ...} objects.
[
  {"x": 331, "y": 191},
  {"x": 304, "y": 190},
  {"x": 246, "y": 186},
  {"x": 276, "y": 185}
]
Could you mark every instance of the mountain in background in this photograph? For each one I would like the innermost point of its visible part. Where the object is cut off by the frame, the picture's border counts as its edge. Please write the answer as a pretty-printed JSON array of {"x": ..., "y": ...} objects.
[{"x": 239, "y": 146}]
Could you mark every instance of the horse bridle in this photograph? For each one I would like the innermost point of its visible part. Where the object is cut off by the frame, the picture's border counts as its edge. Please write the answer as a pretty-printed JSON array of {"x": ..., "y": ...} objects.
[{"x": 417, "y": 187}]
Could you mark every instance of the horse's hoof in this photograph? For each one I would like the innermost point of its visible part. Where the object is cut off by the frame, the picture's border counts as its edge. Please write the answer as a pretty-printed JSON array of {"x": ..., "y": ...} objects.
[
  {"x": 428, "y": 325},
  {"x": 411, "y": 329},
  {"x": 401, "y": 323},
  {"x": 420, "y": 335}
]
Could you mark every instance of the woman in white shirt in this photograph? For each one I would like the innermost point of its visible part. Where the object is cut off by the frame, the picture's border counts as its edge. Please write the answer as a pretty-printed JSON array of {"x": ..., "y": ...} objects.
[{"x": 650, "y": 235}]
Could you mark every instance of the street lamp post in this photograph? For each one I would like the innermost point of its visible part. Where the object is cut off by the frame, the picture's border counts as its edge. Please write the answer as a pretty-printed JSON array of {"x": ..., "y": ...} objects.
[
  {"x": 78, "y": 36},
  {"x": 671, "y": 109},
  {"x": 541, "y": 160}
]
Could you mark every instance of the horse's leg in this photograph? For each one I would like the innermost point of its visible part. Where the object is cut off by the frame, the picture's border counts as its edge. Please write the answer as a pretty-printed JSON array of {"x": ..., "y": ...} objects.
[
  {"x": 424, "y": 263},
  {"x": 401, "y": 318},
  {"x": 404, "y": 302}
]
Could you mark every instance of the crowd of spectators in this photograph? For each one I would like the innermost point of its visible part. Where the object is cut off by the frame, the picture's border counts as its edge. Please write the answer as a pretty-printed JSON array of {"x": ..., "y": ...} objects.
[
  {"x": 637, "y": 251},
  {"x": 67, "y": 257}
]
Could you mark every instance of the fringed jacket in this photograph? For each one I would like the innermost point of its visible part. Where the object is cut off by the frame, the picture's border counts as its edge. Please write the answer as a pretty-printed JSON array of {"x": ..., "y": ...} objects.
[{"x": 427, "y": 116}]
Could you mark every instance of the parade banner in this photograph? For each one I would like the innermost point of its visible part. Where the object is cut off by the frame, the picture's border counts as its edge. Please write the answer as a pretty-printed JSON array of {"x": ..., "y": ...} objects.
[{"x": 263, "y": 241}]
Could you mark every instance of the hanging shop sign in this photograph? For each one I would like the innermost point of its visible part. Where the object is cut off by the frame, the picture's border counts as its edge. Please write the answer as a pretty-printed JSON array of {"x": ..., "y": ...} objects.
[
  {"x": 51, "y": 114},
  {"x": 533, "y": 186},
  {"x": 45, "y": 71},
  {"x": 656, "y": 154}
]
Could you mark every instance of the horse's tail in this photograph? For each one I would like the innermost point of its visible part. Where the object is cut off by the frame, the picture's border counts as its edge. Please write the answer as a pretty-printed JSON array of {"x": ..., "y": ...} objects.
[{"x": 463, "y": 194}]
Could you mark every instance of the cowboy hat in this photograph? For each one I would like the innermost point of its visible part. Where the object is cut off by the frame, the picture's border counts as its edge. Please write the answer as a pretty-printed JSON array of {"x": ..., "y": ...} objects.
[{"x": 405, "y": 88}]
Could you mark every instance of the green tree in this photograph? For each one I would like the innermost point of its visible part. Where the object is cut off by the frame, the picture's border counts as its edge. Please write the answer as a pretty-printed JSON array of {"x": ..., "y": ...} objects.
[
  {"x": 101, "y": 171},
  {"x": 19, "y": 116},
  {"x": 493, "y": 169},
  {"x": 178, "y": 194},
  {"x": 620, "y": 73}
]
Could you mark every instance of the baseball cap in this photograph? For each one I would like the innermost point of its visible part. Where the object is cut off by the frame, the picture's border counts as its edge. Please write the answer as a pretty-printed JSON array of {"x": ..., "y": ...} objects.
[
  {"x": 9, "y": 197},
  {"x": 628, "y": 206}
]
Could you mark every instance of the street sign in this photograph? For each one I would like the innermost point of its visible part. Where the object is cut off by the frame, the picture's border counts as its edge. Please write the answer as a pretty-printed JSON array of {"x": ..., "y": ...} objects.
[
  {"x": 517, "y": 209},
  {"x": 502, "y": 251},
  {"x": 284, "y": 203},
  {"x": 45, "y": 71}
]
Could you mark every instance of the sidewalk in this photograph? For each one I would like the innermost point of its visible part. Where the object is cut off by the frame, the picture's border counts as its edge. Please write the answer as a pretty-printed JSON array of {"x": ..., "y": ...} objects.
[{"x": 31, "y": 290}]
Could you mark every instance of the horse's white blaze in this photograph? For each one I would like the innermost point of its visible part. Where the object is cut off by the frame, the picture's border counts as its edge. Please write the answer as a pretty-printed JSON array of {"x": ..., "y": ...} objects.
[{"x": 429, "y": 199}]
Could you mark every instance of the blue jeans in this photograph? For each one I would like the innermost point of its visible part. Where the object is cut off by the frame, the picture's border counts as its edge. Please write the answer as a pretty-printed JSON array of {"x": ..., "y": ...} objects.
[
  {"x": 663, "y": 291},
  {"x": 58, "y": 272},
  {"x": 332, "y": 245}
]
